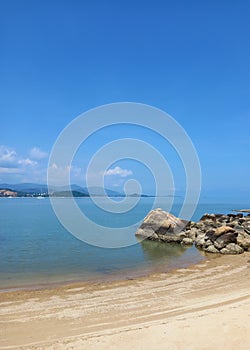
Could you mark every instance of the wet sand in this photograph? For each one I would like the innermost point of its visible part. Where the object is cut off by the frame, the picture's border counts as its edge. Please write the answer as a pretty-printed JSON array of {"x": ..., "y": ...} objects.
[{"x": 205, "y": 306}]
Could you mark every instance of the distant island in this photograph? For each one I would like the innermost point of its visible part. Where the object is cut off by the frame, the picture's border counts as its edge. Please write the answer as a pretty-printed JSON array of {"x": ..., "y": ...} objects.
[{"x": 30, "y": 190}]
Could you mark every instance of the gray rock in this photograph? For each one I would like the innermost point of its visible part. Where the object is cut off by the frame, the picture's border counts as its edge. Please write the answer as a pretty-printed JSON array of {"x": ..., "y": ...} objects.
[
  {"x": 193, "y": 233},
  {"x": 246, "y": 226},
  {"x": 232, "y": 248},
  {"x": 187, "y": 241},
  {"x": 162, "y": 226},
  {"x": 200, "y": 242},
  {"x": 211, "y": 249},
  {"x": 243, "y": 240},
  {"x": 223, "y": 240},
  {"x": 218, "y": 245},
  {"x": 208, "y": 217},
  {"x": 238, "y": 228}
]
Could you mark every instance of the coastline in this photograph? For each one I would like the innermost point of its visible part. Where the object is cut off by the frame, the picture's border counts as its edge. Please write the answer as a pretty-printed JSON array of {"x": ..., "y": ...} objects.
[
  {"x": 138, "y": 312},
  {"x": 125, "y": 274},
  {"x": 110, "y": 279}
]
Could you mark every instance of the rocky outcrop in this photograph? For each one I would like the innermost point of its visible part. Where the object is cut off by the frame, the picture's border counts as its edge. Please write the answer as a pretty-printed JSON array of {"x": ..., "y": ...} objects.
[
  {"x": 7, "y": 193},
  {"x": 213, "y": 233},
  {"x": 224, "y": 234},
  {"x": 162, "y": 226}
]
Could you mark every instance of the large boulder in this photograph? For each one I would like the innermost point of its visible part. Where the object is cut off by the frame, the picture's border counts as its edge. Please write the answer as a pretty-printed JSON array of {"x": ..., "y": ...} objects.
[{"x": 162, "y": 226}]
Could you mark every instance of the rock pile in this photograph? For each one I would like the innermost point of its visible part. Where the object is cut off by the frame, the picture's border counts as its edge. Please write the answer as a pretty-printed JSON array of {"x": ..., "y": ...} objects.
[{"x": 213, "y": 233}]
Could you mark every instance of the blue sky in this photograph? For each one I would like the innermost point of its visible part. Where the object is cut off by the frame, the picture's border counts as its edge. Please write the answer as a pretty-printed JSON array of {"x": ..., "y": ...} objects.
[{"x": 190, "y": 58}]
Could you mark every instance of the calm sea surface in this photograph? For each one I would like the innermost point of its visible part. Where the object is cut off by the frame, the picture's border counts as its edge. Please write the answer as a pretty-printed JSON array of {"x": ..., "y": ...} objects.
[{"x": 35, "y": 249}]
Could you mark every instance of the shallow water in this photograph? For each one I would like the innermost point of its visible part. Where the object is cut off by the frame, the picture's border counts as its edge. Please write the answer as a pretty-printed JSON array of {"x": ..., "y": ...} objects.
[{"x": 36, "y": 249}]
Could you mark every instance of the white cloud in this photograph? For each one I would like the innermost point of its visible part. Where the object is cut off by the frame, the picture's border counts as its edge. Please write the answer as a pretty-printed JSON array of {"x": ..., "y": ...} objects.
[
  {"x": 9, "y": 170},
  {"x": 58, "y": 174},
  {"x": 9, "y": 159},
  {"x": 118, "y": 171},
  {"x": 16, "y": 167},
  {"x": 37, "y": 153},
  {"x": 27, "y": 161}
]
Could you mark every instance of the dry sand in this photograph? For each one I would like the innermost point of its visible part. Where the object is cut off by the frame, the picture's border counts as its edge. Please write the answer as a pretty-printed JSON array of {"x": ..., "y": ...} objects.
[{"x": 206, "y": 306}]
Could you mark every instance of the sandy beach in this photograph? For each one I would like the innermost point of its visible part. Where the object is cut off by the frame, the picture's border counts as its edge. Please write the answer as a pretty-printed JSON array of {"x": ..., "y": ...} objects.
[{"x": 206, "y": 306}]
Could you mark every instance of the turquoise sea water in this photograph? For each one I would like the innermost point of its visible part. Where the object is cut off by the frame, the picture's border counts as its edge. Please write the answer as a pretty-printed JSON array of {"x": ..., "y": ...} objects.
[{"x": 35, "y": 249}]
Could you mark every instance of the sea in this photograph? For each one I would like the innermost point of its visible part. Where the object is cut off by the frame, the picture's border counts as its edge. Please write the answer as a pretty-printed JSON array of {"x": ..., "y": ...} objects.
[{"x": 36, "y": 250}]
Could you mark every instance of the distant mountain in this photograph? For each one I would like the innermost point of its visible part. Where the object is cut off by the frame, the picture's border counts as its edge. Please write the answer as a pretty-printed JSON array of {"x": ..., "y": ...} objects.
[
  {"x": 34, "y": 190},
  {"x": 26, "y": 189},
  {"x": 68, "y": 194},
  {"x": 94, "y": 191},
  {"x": 73, "y": 187},
  {"x": 98, "y": 191},
  {"x": 138, "y": 195}
]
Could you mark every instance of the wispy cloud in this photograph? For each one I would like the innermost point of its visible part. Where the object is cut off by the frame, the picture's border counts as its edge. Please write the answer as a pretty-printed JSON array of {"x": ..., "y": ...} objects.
[
  {"x": 118, "y": 171},
  {"x": 15, "y": 167},
  {"x": 58, "y": 174},
  {"x": 27, "y": 161},
  {"x": 37, "y": 153},
  {"x": 32, "y": 167},
  {"x": 9, "y": 159},
  {"x": 9, "y": 170}
]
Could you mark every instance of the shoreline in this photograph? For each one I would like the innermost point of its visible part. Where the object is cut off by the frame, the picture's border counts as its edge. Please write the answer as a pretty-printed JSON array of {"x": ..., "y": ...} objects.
[
  {"x": 100, "y": 315},
  {"x": 110, "y": 279},
  {"x": 129, "y": 274}
]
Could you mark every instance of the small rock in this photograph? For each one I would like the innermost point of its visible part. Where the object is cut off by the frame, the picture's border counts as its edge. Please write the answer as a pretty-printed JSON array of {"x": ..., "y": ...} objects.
[
  {"x": 207, "y": 217},
  {"x": 211, "y": 249},
  {"x": 232, "y": 248},
  {"x": 243, "y": 240},
  {"x": 187, "y": 241},
  {"x": 200, "y": 242}
]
